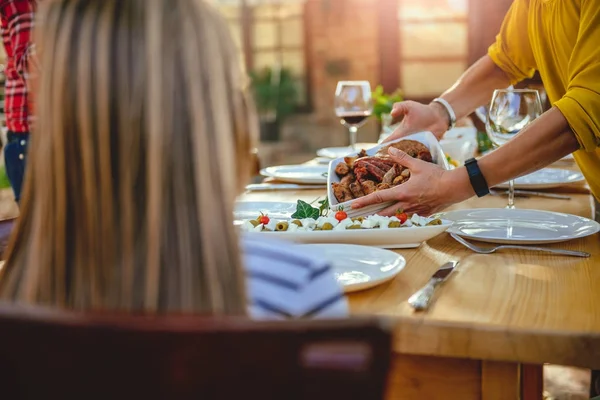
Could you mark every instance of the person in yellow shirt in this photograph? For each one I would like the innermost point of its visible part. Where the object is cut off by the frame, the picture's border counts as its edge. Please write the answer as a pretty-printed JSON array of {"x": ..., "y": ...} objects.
[{"x": 561, "y": 40}]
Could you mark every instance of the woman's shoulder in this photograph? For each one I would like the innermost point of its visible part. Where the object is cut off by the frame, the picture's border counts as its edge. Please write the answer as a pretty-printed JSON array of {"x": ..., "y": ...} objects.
[
  {"x": 280, "y": 252},
  {"x": 286, "y": 281}
]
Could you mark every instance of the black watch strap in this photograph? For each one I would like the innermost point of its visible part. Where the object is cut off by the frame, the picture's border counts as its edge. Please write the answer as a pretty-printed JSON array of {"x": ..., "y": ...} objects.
[{"x": 476, "y": 177}]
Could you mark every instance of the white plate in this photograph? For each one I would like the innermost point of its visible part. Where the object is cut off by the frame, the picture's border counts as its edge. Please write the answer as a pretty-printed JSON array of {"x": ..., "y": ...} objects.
[
  {"x": 501, "y": 225},
  {"x": 251, "y": 210},
  {"x": 426, "y": 138},
  {"x": 393, "y": 238},
  {"x": 337, "y": 152},
  {"x": 546, "y": 178},
  {"x": 359, "y": 267},
  {"x": 311, "y": 174}
]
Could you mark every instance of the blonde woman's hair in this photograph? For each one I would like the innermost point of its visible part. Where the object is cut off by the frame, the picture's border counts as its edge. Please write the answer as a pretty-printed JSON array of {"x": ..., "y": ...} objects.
[{"x": 141, "y": 144}]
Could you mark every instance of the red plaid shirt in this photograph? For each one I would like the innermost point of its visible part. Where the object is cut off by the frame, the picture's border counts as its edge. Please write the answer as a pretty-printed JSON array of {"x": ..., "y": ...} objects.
[{"x": 16, "y": 17}]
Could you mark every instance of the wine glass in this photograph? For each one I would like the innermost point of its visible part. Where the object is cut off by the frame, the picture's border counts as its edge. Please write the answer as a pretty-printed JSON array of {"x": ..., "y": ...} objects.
[
  {"x": 353, "y": 105},
  {"x": 510, "y": 111}
]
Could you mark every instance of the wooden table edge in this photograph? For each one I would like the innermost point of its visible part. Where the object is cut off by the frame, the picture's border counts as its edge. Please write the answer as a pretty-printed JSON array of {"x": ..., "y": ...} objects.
[{"x": 495, "y": 343}]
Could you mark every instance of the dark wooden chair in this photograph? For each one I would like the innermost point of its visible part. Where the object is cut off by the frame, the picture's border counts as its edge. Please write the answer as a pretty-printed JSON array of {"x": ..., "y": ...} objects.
[{"x": 49, "y": 354}]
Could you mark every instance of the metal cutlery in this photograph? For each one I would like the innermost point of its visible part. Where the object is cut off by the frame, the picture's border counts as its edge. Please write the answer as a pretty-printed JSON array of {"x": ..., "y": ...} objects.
[
  {"x": 421, "y": 300},
  {"x": 543, "y": 194},
  {"x": 255, "y": 187},
  {"x": 526, "y": 193},
  {"x": 490, "y": 250}
]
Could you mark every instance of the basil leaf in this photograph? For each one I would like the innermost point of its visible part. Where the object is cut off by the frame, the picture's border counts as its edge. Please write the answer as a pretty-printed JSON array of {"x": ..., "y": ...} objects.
[{"x": 305, "y": 210}]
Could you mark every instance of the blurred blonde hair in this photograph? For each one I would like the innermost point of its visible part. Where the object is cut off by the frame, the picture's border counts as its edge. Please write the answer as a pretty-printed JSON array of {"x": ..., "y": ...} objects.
[{"x": 142, "y": 143}]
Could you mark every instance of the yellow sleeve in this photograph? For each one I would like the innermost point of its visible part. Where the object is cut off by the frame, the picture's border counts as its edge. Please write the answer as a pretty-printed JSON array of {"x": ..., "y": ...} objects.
[
  {"x": 512, "y": 51},
  {"x": 581, "y": 104}
]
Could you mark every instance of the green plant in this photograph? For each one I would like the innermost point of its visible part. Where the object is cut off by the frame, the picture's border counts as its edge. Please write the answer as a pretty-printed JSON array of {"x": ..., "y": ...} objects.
[
  {"x": 4, "y": 182},
  {"x": 383, "y": 103},
  {"x": 275, "y": 94}
]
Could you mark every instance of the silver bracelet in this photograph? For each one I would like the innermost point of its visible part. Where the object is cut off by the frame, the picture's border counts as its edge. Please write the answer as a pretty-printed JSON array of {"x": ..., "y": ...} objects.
[{"x": 449, "y": 110}]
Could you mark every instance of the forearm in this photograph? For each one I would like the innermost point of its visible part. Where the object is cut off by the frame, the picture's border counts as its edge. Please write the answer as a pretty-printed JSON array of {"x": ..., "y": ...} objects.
[
  {"x": 546, "y": 140},
  {"x": 475, "y": 87}
]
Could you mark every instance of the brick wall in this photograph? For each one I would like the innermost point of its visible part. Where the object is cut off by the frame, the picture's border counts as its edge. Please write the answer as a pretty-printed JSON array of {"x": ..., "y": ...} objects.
[
  {"x": 342, "y": 42},
  {"x": 343, "y": 45}
]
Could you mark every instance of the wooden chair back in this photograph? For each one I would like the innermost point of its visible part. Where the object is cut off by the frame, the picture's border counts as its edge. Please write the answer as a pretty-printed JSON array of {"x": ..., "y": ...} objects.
[{"x": 68, "y": 356}]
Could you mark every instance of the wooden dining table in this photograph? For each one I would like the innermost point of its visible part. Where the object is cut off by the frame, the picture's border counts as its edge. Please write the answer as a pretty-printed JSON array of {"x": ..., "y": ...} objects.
[{"x": 500, "y": 317}]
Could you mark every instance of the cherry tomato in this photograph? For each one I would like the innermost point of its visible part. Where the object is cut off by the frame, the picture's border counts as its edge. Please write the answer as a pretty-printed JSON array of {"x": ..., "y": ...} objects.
[
  {"x": 402, "y": 216},
  {"x": 263, "y": 219},
  {"x": 341, "y": 215}
]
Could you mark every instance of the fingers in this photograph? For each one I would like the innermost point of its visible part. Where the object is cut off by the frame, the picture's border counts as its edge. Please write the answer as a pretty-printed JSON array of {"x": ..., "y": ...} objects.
[
  {"x": 404, "y": 159},
  {"x": 400, "y": 109},
  {"x": 381, "y": 196}
]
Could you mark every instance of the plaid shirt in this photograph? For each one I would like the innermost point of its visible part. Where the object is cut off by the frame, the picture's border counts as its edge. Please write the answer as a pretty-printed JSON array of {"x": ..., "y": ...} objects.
[{"x": 16, "y": 17}]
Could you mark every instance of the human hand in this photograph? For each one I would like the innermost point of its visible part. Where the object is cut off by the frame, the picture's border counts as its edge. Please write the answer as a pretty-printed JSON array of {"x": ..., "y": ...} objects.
[
  {"x": 430, "y": 188},
  {"x": 417, "y": 117}
]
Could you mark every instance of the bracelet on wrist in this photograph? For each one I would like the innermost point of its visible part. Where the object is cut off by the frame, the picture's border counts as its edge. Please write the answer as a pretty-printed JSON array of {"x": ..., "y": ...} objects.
[{"x": 449, "y": 110}]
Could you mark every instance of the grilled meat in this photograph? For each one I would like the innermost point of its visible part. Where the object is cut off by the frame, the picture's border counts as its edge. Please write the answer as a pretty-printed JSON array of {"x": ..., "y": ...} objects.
[
  {"x": 368, "y": 187},
  {"x": 356, "y": 189},
  {"x": 348, "y": 179},
  {"x": 342, "y": 192},
  {"x": 389, "y": 176},
  {"x": 342, "y": 169}
]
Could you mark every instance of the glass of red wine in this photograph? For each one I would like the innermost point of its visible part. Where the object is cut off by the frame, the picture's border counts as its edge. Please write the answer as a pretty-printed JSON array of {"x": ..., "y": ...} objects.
[{"x": 353, "y": 105}]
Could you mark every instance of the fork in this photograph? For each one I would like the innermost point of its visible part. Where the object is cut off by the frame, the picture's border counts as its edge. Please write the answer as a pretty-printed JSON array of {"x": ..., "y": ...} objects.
[{"x": 490, "y": 250}]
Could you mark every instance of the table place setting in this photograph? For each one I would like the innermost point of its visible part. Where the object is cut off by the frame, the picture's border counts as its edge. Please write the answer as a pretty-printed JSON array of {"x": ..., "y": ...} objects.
[
  {"x": 518, "y": 226},
  {"x": 308, "y": 174},
  {"x": 358, "y": 267}
]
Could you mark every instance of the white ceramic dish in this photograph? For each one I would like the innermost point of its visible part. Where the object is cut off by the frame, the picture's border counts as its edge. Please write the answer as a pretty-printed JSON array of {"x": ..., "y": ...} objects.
[
  {"x": 460, "y": 143},
  {"x": 303, "y": 173},
  {"x": 337, "y": 152},
  {"x": 244, "y": 210},
  {"x": 396, "y": 238},
  {"x": 504, "y": 226},
  {"x": 427, "y": 138},
  {"x": 547, "y": 178},
  {"x": 359, "y": 267}
]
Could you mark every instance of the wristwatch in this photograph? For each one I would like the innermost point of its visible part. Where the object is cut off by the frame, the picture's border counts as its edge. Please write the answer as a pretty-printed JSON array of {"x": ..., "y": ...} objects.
[
  {"x": 480, "y": 185},
  {"x": 449, "y": 110}
]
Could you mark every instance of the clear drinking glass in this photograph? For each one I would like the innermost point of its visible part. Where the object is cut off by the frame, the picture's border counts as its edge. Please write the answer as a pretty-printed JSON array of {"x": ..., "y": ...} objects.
[
  {"x": 353, "y": 105},
  {"x": 510, "y": 111}
]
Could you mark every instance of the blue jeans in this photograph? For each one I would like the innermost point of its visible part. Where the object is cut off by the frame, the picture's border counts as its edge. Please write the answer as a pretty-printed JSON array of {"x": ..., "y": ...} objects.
[{"x": 14, "y": 158}]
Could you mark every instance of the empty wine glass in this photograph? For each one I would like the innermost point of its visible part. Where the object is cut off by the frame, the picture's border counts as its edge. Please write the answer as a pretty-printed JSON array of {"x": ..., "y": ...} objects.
[
  {"x": 510, "y": 111},
  {"x": 353, "y": 106}
]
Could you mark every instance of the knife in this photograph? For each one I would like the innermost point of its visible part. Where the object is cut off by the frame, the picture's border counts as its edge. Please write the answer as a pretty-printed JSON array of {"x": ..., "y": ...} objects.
[
  {"x": 527, "y": 193},
  {"x": 543, "y": 194},
  {"x": 421, "y": 299},
  {"x": 280, "y": 186}
]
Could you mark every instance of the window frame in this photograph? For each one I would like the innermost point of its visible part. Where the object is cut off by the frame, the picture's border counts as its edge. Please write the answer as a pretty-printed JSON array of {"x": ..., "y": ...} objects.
[
  {"x": 391, "y": 56},
  {"x": 246, "y": 20}
]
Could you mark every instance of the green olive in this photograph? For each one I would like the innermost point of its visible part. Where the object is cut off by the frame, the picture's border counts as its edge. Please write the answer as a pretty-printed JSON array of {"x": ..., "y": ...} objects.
[
  {"x": 297, "y": 222},
  {"x": 327, "y": 226},
  {"x": 356, "y": 226},
  {"x": 358, "y": 219},
  {"x": 281, "y": 226},
  {"x": 254, "y": 223},
  {"x": 436, "y": 221},
  {"x": 395, "y": 224}
]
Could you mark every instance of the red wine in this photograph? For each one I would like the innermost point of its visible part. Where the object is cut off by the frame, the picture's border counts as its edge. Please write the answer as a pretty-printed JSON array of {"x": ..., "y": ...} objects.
[{"x": 353, "y": 119}]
